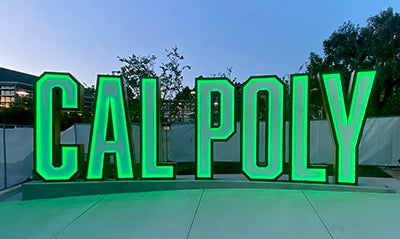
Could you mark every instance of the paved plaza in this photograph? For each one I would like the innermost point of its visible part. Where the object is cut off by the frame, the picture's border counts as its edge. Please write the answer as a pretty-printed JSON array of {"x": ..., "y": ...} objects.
[{"x": 208, "y": 213}]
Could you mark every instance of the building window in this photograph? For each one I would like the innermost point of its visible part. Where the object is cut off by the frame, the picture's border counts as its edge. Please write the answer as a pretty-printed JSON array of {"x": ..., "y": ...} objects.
[
  {"x": 4, "y": 105},
  {"x": 6, "y": 99},
  {"x": 7, "y": 95},
  {"x": 7, "y": 91}
]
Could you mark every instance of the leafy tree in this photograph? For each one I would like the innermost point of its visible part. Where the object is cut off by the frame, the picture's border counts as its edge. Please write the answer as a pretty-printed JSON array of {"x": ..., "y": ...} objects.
[
  {"x": 171, "y": 84},
  {"x": 136, "y": 67},
  {"x": 88, "y": 110},
  {"x": 375, "y": 46},
  {"x": 20, "y": 112},
  {"x": 186, "y": 94},
  {"x": 182, "y": 107},
  {"x": 227, "y": 74},
  {"x": 171, "y": 76}
]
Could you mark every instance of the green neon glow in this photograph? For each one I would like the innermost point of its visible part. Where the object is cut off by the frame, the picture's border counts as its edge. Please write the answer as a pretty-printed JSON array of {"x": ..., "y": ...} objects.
[
  {"x": 205, "y": 133},
  {"x": 47, "y": 146},
  {"x": 300, "y": 134},
  {"x": 150, "y": 132},
  {"x": 110, "y": 100},
  {"x": 275, "y": 143},
  {"x": 347, "y": 128}
]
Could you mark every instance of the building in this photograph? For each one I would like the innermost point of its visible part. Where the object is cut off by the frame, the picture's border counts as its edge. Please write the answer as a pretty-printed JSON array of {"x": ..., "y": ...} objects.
[
  {"x": 15, "y": 85},
  {"x": 178, "y": 111}
]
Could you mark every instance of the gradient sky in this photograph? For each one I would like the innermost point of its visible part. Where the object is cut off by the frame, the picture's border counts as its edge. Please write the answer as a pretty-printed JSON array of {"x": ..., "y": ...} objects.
[{"x": 84, "y": 37}]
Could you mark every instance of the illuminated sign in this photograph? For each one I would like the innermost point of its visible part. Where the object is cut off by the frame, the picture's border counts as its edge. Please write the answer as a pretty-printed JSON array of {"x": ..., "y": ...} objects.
[{"x": 111, "y": 132}]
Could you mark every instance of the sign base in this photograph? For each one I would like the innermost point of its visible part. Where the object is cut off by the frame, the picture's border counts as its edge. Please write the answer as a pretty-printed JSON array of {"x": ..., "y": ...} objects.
[{"x": 39, "y": 189}]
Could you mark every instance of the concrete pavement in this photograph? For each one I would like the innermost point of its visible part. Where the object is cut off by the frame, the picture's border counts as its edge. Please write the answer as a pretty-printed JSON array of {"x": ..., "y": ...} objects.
[{"x": 206, "y": 213}]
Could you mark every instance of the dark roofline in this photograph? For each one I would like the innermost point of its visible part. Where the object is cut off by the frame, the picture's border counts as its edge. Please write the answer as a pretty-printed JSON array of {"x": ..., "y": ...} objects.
[{"x": 7, "y": 75}]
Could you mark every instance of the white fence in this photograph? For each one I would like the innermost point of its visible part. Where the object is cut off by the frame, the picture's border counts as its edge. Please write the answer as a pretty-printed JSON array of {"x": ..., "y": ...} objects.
[
  {"x": 16, "y": 155},
  {"x": 380, "y": 145},
  {"x": 380, "y": 142}
]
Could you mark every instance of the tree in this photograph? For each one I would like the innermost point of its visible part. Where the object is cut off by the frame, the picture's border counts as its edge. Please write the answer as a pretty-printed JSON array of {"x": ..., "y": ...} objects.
[
  {"x": 375, "y": 46},
  {"x": 171, "y": 76},
  {"x": 20, "y": 112},
  {"x": 136, "y": 67},
  {"x": 183, "y": 107},
  {"x": 89, "y": 104}
]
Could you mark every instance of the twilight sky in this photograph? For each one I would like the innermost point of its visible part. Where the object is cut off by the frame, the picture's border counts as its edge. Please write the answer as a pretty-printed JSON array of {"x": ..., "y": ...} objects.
[{"x": 84, "y": 37}]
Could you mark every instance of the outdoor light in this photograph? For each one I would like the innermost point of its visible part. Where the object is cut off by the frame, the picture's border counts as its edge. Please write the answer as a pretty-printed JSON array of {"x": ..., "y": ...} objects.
[
  {"x": 22, "y": 93},
  {"x": 166, "y": 127}
]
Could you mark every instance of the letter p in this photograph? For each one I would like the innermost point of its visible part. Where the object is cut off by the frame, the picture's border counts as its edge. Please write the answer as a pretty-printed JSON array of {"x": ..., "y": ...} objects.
[{"x": 215, "y": 120}]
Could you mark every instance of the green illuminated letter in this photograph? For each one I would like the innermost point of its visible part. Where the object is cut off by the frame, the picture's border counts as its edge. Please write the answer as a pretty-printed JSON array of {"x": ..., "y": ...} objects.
[
  {"x": 347, "y": 124},
  {"x": 53, "y": 161},
  {"x": 150, "y": 153},
  {"x": 115, "y": 139},
  {"x": 206, "y": 133},
  {"x": 300, "y": 133},
  {"x": 275, "y": 131}
]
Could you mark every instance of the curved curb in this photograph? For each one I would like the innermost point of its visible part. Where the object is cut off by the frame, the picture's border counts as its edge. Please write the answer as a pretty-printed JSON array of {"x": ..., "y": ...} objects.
[{"x": 39, "y": 189}]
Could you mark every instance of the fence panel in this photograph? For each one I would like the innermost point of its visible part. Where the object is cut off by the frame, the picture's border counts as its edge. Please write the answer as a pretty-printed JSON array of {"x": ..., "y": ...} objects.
[
  {"x": 2, "y": 159},
  {"x": 19, "y": 155},
  {"x": 379, "y": 145}
]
